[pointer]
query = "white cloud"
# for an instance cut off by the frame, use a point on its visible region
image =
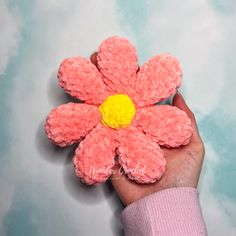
(227, 106)
(82, 28)
(10, 31)
(218, 210)
(193, 32)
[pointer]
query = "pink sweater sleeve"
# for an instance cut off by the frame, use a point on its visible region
(170, 212)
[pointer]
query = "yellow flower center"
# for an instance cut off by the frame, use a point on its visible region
(117, 111)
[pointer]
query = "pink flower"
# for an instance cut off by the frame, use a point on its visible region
(119, 116)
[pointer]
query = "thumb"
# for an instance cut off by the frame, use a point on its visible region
(179, 102)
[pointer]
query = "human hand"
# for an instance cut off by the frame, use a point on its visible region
(182, 170)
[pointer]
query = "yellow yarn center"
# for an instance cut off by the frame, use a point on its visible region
(117, 111)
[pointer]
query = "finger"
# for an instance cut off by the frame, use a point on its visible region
(128, 190)
(118, 175)
(179, 102)
(120, 181)
(93, 58)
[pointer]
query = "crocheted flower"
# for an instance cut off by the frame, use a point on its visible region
(118, 116)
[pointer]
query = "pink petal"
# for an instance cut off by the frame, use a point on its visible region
(118, 62)
(141, 158)
(68, 123)
(95, 156)
(157, 79)
(167, 125)
(81, 79)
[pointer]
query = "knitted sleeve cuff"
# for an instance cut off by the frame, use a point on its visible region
(174, 211)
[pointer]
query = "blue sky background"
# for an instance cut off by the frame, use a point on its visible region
(39, 192)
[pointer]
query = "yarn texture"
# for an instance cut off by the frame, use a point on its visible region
(119, 116)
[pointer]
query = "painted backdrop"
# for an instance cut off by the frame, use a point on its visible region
(39, 194)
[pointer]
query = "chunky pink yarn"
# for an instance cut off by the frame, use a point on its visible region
(136, 146)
